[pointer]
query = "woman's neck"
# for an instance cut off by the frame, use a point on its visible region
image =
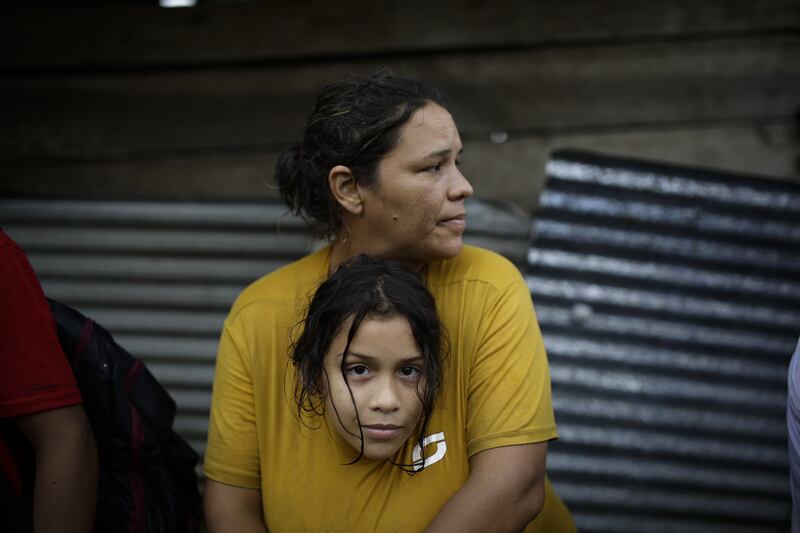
(343, 249)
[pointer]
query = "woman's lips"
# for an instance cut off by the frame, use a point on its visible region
(458, 222)
(381, 432)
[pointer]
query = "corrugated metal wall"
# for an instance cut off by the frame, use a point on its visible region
(161, 276)
(670, 305)
(669, 300)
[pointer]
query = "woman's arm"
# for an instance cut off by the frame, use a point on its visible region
(229, 508)
(504, 492)
(66, 469)
(232, 444)
(509, 411)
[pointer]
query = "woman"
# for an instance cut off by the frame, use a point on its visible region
(377, 173)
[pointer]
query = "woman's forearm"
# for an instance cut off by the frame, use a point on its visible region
(505, 492)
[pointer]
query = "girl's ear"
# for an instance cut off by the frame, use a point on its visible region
(345, 189)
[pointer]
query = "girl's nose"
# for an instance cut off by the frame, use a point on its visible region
(385, 396)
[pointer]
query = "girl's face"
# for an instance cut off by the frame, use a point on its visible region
(415, 210)
(383, 368)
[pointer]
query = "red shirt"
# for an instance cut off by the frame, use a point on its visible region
(34, 373)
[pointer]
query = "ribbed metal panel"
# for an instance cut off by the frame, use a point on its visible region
(669, 300)
(162, 276)
(159, 276)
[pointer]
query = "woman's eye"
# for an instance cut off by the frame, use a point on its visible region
(358, 370)
(410, 372)
(434, 168)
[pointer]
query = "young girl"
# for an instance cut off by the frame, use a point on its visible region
(369, 362)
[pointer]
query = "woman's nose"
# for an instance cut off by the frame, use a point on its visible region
(460, 188)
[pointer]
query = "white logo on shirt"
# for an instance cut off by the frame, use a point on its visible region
(441, 449)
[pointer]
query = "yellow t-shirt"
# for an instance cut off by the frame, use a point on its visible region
(497, 393)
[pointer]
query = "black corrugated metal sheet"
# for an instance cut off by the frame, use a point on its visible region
(669, 299)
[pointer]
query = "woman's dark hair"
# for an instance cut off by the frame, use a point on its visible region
(368, 287)
(354, 122)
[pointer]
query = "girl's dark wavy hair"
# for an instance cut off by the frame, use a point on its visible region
(354, 122)
(368, 287)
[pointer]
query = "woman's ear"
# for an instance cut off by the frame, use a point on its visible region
(345, 189)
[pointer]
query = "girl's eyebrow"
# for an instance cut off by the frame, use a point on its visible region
(373, 359)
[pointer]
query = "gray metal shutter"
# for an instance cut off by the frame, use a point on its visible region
(159, 276)
(669, 300)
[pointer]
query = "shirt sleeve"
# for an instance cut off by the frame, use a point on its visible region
(232, 453)
(34, 373)
(509, 399)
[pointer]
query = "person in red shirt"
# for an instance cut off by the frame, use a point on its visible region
(47, 449)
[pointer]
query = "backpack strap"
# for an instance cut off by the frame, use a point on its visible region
(83, 342)
(137, 518)
(133, 375)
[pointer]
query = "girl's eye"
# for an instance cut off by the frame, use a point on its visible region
(435, 168)
(358, 370)
(410, 372)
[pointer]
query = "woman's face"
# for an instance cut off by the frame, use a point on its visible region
(415, 209)
(383, 368)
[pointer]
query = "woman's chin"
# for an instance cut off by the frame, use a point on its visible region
(448, 249)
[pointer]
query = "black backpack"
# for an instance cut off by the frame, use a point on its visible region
(146, 478)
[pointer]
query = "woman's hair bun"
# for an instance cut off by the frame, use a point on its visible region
(288, 177)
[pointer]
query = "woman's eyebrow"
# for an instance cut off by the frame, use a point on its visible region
(445, 151)
(373, 359)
